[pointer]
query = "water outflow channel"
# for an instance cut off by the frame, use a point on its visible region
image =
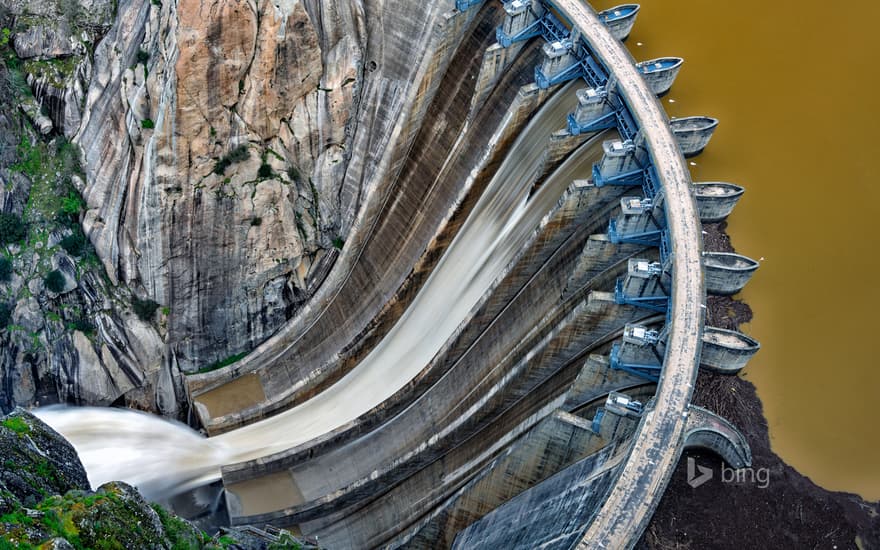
(163, 458)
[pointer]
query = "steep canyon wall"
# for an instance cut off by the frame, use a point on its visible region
(236, 158)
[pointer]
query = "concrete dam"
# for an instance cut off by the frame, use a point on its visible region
(504, 351)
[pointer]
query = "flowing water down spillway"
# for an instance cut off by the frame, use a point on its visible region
(162, 458)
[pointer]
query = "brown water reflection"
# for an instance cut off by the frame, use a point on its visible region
(795, 88)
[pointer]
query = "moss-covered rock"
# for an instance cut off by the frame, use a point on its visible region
(113, 517)
(37, 461)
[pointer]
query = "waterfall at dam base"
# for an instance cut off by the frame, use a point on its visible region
(158, 456)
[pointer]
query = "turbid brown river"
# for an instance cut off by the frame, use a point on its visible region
(794, 85)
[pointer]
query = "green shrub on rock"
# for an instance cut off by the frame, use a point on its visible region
(12, 229)
(144, 309)
(5, 314)
(55, 281)
(5, 269)
(239, 154)
(265, 171)
(74, 244)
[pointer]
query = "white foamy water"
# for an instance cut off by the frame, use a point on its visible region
(162, 457)
(158, 456)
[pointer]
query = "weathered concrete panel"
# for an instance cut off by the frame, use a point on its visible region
(557, 442)
(554, 513)
(716, 200)
(726, 273)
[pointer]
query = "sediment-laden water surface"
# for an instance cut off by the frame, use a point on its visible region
(794, 87)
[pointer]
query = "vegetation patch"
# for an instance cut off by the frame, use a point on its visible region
(239, 154)
(17, 425)
(179, 533)
(54, 281)
(294, 175)
(52, 197)
(57, 71)
(74, 244)
(72, 204)
(148, 124)
(5, 314)
(265, 171)
(30, 157)
(338, 243)
(144, 309)
(5, 269)
(12, 229)
(83, 325)
(224, 363)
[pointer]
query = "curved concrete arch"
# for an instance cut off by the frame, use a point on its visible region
(707, 430)
(482, 324)
(636, 487)
(657, 444)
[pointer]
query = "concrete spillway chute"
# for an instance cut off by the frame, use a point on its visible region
(716, 199)
(660, 73)
(727, 351)
(727, 273)
(620, 19)
(693, 133)
(707, 430)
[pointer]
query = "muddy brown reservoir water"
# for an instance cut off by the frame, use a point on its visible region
(795, 88)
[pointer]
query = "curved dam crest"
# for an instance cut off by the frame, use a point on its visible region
(585, 244)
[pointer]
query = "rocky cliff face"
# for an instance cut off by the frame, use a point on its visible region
(215, 140)
(66, 332)
(218, 183)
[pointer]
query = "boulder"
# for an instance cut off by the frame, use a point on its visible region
(46, 41)
(37, 461)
